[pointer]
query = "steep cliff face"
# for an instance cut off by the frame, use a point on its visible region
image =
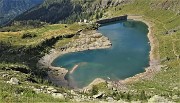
(11, 8)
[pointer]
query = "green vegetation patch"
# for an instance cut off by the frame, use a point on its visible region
(36, 36)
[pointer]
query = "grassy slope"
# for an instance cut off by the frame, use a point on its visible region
(22, 92)
(42, 33)
(166, 81)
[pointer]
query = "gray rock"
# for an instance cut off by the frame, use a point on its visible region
(58, 95)
(93, 39)
(110, 99)
(136, 102)
(72, 92)
(13, 81)
(37, 90)
(54, 90)
(50, 88)
(121, 101)
(99, 95)
(175, 97)
(158, 99)
(4, 75)
(97, 35)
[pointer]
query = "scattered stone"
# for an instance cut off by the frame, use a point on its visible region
(95, 82)
(13, 81)
(58, 95)
(110, 99)
(110, 85)
(54, 90)
(97, 35)
(158, 99)
(99, 95)
(50, 88)
(121, 101)
(136, 101)
(72, 92)
(37, 90)
(175, 88)
(175, 97)
(4, 75)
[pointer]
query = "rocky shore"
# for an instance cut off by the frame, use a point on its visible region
(92, 40)
(154, 55)
(150, 71)
(154, 63)
(87, 40)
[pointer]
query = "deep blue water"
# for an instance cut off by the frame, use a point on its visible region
(128, 56)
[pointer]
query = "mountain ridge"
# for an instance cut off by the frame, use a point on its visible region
(54, 11)
(11, 8)
(69, 11)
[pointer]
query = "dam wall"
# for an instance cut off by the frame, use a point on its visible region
(104, 21)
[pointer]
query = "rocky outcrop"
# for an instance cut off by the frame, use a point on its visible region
(87, 41)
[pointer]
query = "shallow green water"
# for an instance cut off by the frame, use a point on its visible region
(128, 56)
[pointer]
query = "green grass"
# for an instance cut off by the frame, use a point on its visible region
(164, 20)
(17, 94)
(43, 33)
(14, 65)
(23, 92)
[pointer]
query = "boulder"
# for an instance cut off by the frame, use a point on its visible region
(110, 99)
(37, 90)
(58, 95)
(4, 75)
(97, 35)
(99, 95)
(13, 81)
(50, 88)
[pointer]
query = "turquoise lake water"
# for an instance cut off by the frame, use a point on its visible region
(128, 56)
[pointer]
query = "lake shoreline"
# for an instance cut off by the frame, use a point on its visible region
(154, 62)
(88, 40)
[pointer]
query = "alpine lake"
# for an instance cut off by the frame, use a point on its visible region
(128, 56)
